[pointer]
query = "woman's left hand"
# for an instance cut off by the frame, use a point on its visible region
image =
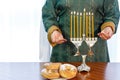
(106, 33)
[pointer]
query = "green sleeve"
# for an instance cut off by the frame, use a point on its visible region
(48, 14)
(111, 12)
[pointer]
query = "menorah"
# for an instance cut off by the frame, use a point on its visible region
(82, 30)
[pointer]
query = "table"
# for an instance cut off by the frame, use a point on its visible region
(99, 71)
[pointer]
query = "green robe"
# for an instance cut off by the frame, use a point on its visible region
(57, 12)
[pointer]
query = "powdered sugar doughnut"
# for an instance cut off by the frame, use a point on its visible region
(68, 71)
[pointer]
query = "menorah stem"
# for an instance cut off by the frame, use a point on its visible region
(83, 66)
(84, 58)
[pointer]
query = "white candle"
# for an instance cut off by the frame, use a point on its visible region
(84, 13)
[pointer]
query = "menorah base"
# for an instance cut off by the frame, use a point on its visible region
(83, 67)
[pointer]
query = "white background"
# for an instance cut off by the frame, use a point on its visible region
(22, 35)
(19, 30)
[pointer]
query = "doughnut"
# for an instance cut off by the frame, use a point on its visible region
(52, 65)
(68, 71)
(50, 74)
(58, 71)
(50, 70)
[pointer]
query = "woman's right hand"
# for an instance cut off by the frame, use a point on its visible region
(57, 37)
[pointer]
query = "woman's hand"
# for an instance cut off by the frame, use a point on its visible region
(106, 33)
(57, 37)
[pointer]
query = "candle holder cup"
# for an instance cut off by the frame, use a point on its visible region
(91, 42)
(77, 42)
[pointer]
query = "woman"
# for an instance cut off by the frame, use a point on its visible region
(56, 19)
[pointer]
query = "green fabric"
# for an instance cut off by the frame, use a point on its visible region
(57, 12)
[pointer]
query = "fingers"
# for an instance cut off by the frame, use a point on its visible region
(104, 36)
(106, 33)
(61, 41)
(57, 37)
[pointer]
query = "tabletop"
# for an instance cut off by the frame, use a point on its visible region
(99, 71)
(31, 71)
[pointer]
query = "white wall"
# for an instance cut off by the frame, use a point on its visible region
(114, 45)
(19, 30)
(44, 45)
